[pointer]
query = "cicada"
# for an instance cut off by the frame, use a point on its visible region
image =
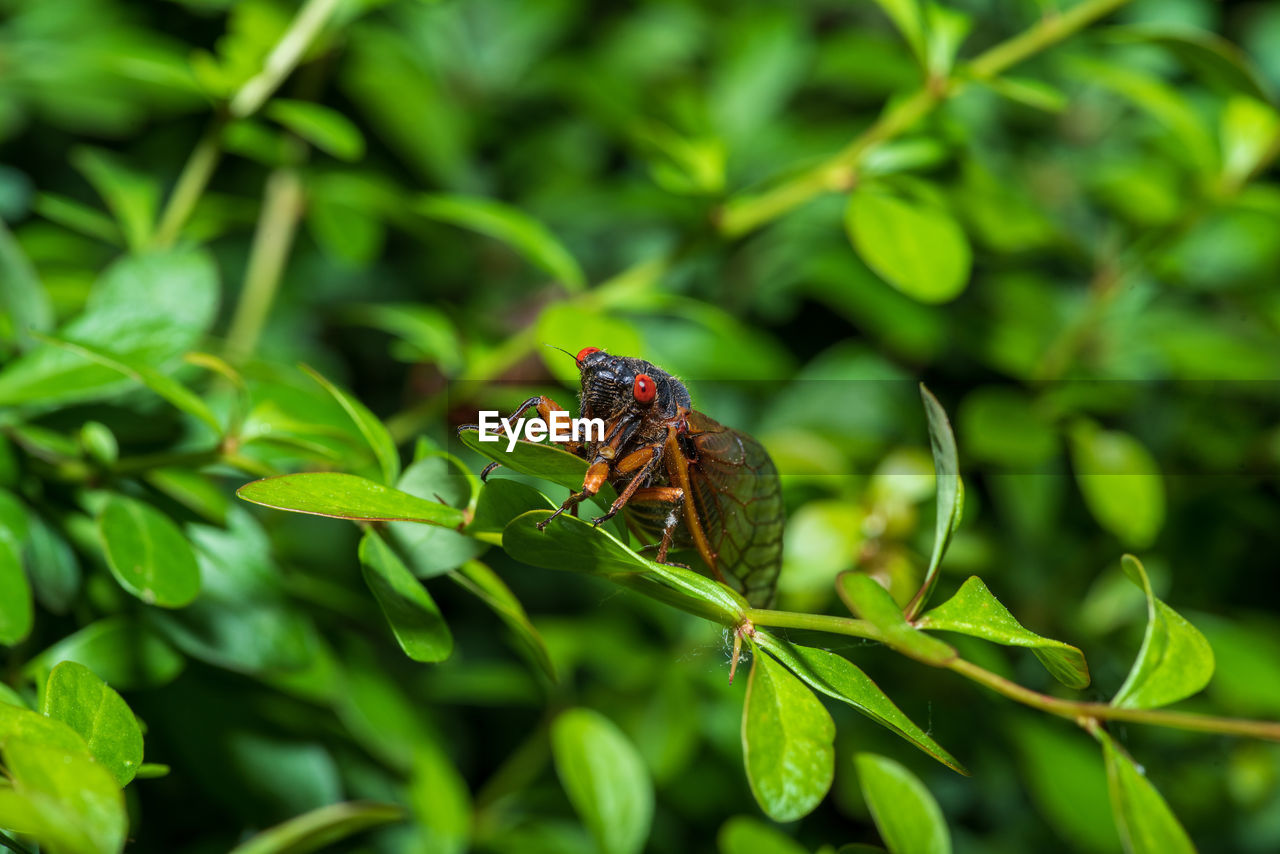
(682, 479)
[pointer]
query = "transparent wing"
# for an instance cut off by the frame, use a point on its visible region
(738, 498)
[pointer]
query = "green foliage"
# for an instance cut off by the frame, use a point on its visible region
(1145, 822)
(605, 779)
(147, 553)
(346, 496)
(319, 828)
(915, 247)
(1065, 223)
(906, 815)
(975, 611)
(1175, 660)
(786, 742)
(409, 609)
(75, 696)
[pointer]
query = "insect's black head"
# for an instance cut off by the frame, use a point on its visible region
(613, 385)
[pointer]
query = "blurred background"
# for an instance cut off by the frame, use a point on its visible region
(1079, 257)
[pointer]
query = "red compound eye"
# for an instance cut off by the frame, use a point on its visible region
(587, 351)
(644, 389)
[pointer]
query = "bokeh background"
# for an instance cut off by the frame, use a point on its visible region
(1110, 360)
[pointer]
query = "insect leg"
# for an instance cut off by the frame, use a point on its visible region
(595, 478)
(675, 496)
(646, 460)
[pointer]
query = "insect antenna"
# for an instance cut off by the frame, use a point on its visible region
(562, 350)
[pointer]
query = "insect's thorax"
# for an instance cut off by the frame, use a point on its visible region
(630, 426)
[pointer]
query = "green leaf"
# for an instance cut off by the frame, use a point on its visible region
(909, 20)
(62, 798)
(78, 217)
(1065, 780)
(976, 612)
(243, 620)
(914, 246)
(149, 308)
(427, 333)
(23, 298)
(744, 835)
(319, 125)
(162, 384)
(18, 723)
(1029, 92)
(440, 802)
(346, 496)
(128, 652)
(839, 678)
(430, 550)
(1145, 822)
(1005, 426)
(905, 813)
(99, 443)
(320, 828)
(605, 779)
(1209, 54)
(502, 500)
(548, 462)
(9, 696)
(1249, 130)
(192, 489)
(1160, 100)
(373, 430)
(16, 613)
(868, 600)
(950, 493)
(1175, 660)
(414, 618)
(132, 196)
(573, 544)
(482, 582)
(787, 742)
(947, 30)
(147, 553)
(512, 226)
(1120, 483)
(75, 696)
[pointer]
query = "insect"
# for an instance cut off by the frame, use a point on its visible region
(682, 479)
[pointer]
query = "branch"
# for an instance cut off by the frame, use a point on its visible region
(1081, 712)
(743, 215)
(284, 57)
(271, 243)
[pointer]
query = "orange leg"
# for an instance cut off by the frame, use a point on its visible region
(675, 496)
(596, 476)
(643, 462)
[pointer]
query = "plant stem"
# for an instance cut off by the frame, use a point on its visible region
(284, 57)
(1075, 710)
(743, 215)
(1051, 29)
(13, 845)
(813, 622)
(190, 186)
(271, 242)
(1081, 712)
